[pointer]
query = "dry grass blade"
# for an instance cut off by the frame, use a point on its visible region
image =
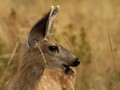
(10, 60)
(13, 53)
(115, 70)
(69, 45)
(5, 56)
(38, 45)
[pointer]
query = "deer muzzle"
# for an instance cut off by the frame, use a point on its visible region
(68, 70)
(75, 63)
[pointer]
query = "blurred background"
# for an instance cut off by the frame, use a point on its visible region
(85, 23)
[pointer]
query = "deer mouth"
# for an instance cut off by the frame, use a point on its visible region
(68, 70)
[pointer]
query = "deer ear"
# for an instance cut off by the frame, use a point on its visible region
(42, 28)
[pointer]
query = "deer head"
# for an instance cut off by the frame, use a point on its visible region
(56, 56)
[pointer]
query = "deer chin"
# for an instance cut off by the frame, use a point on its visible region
(64, 68)
(68, 70)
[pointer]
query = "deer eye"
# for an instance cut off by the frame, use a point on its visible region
(53, 48)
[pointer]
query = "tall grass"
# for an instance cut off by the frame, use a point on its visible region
(8, 64)
(113, 58)
(82, 22)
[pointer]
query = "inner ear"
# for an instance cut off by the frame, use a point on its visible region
(38, 32)
(42, 28)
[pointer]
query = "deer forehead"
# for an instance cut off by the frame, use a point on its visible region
(50, 40)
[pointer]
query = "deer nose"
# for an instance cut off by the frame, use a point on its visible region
(75, 63)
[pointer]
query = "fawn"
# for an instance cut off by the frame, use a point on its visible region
(39, 52)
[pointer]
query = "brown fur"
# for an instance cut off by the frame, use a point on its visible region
(32, 64)
(31, 69)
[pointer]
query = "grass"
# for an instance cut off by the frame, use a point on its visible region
(83, 23)
(113, 58)
(8, 65)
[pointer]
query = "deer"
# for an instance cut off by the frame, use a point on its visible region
(43, 59)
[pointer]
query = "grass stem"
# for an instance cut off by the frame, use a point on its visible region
(113, 58)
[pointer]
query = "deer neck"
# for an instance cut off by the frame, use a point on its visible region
(29, 73)
(28, 78)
